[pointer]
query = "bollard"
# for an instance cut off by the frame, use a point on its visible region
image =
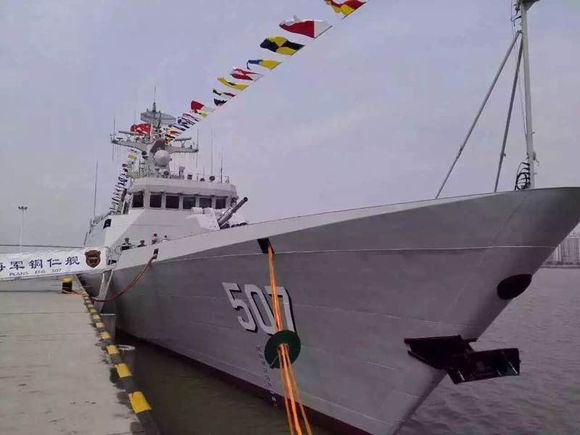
(67, 284)
(109, 321)
(128, 356)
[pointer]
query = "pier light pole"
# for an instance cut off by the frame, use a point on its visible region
(22, 209)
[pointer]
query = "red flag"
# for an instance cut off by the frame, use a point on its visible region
(198, 107)
(243, 74)
(310, 28)
(141, 128)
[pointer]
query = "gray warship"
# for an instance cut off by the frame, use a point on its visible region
(386, 300)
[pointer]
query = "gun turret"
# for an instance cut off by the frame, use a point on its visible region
(222, 221)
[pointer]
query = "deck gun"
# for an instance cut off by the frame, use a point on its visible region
(223, 220)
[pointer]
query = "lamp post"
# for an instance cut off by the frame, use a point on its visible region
(22, 209)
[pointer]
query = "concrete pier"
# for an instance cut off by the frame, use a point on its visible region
(54, 376)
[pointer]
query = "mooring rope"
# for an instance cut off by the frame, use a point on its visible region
(130, 285)
(291, 391)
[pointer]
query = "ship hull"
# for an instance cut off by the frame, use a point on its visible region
(358, 283)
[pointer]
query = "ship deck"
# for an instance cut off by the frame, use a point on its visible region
(54, 377)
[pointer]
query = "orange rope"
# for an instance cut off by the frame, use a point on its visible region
(298, 398)
(286, 394)
(284, 370)
(276, 302)
(288, 380)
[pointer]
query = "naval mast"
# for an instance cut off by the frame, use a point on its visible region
(527, 174)
(524, 5)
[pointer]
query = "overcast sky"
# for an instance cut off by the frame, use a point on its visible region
(371, 113)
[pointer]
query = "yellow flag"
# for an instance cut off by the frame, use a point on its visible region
(280, 45)
(238, 86)
(347, 7)
(266, 63)
(270, 64)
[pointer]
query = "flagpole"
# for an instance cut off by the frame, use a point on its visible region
(211, 166)
(222, 167)
(22, 209)
(197, 153)
(112, 143)
(95, 191)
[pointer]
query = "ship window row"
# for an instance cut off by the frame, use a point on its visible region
(179, 202)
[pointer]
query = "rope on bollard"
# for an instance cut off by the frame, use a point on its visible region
(291, 391)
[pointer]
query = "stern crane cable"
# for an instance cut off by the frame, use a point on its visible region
(288, 380)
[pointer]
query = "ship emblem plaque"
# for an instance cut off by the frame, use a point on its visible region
(93, 258)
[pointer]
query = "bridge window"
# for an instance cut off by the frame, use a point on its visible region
(220, 202)
(172, 201)
(138, 200)
(204, 202)
(107, 223)
(155, 200)
(188, 202)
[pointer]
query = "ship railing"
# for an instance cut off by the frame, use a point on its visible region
(146, 172)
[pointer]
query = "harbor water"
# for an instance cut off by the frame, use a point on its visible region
(544, 323)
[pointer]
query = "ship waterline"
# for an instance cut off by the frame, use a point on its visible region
(356, 284)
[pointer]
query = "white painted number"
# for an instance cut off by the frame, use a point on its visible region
(270, 326)
(238, 304)
(261, 315)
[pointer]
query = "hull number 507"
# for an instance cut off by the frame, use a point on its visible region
(254, 306)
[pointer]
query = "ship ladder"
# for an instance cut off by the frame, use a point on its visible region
(294, 409)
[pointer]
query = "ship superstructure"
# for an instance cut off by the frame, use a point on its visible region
(156, 197)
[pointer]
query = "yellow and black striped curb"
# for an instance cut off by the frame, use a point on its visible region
(137, 399)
